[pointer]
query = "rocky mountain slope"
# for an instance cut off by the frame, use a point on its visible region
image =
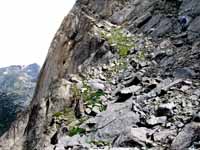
(16, 91)
(117, 74)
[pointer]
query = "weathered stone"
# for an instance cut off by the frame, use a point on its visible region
(186, 137)
(74, 141)
(121, 16)
(194, 29)
(88, 111)
(167, 61)
(133, 137)
(194, 98)
(164, 135)
(184, 88)
(156, 120)
(96, 110)
(184, 73)
(181, 35)
(113, 121)
(131, 89)
(126, 93)
(165, 44)
(163, 87)
(150, 26)
(135, 80)
(167, 85)
(164, 26)
(190, 8)
(142, 20)
(96, 84)
(197, 92)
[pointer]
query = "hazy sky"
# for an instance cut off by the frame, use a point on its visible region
(27, 28)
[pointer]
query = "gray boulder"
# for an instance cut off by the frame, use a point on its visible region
(120, 16)
(194, 29)
(186, 137)
(133, 137)
(109, 124)
(96, 84)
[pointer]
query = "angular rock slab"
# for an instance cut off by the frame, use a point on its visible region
(111, 123)
(133, 137)
(186, 137)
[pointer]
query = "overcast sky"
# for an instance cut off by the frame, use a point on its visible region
(27, 28)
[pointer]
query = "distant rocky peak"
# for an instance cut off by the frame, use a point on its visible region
(33, 66)
(32, 70)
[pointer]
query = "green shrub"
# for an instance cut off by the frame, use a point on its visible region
(92, 97)
(76, 130)
(89, 96)
(120, 40)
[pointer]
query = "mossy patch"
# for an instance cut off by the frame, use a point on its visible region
(76, 130)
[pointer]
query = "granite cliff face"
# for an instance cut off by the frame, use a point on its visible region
(117, 74)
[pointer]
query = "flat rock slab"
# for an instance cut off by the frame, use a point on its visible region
(111, 123)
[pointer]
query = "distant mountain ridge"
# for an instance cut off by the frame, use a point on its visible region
(17, 84)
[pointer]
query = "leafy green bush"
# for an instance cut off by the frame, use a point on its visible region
(120, 40)
(92, 97)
